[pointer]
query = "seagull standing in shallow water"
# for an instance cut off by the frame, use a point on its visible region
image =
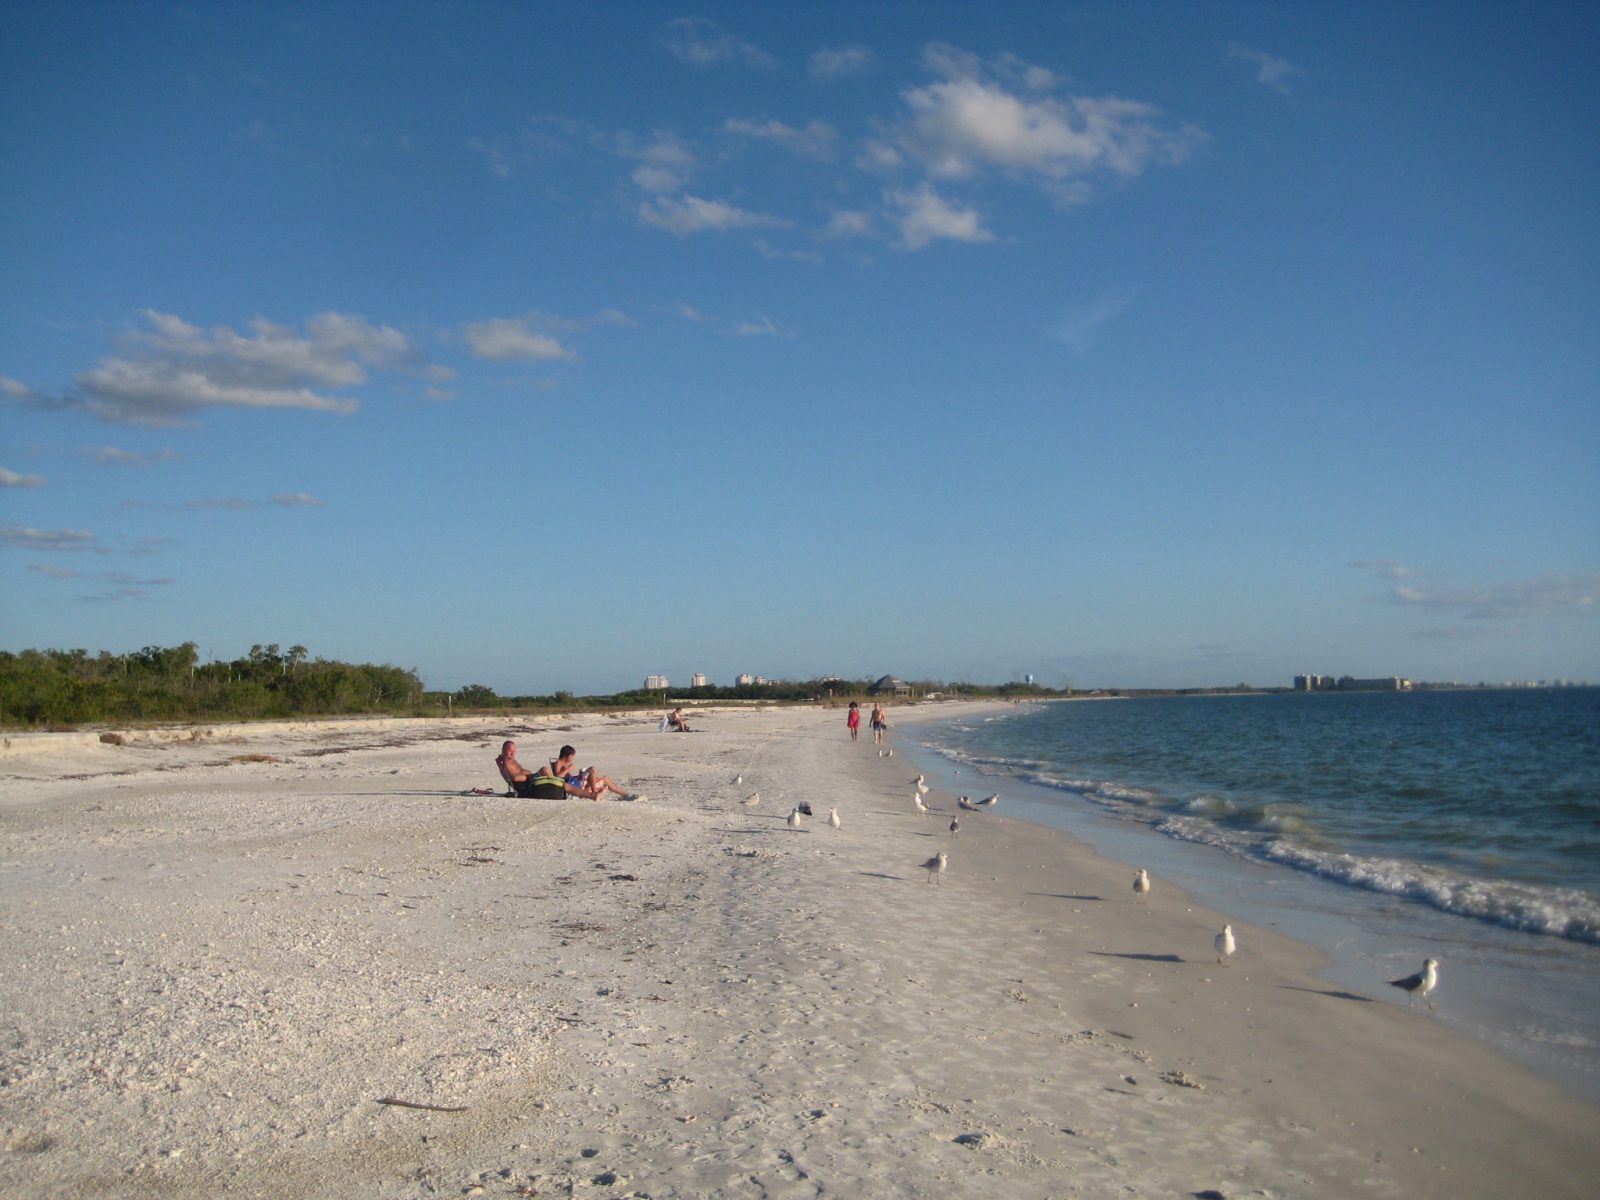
(1420, 984)
(1224, 944)
(1141, 884)
(935, 867)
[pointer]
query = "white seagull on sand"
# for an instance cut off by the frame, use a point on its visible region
(935, 867)
(1141, 884)
(965, 804)
(1224, 944)
(987, 801)
(922, 809)
(737, 780)
(794, 817)
(833, 817)
(955, 826)
(1419, 984)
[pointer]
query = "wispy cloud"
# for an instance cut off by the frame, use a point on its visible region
(685, 215)
(1384, 568)
(1271, 72)
(838, 62)
(506, 339)
(923, 216)
(1544, 595)
(23, 537)
(816, 140)
(11, 479)
(1081, 325)
(113, 456)
(761, 327)
(704, 43)
(296, 500)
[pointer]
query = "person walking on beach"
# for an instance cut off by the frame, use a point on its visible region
(853, 720)
(880, 722)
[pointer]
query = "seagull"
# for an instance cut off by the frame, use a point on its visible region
(923, 788)
(1419, 984)
(833, 817)
(987, 801)
(955, 826)
(753, 799)
(922, 809)
(888, 753)
(1141, 884)
(935, 867)
(737, 780)
(966, 805)
(1224, 944)
(920, 780)
(794, 817)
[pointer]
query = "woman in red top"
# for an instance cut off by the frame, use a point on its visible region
(853, 720)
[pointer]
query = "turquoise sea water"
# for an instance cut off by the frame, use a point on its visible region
(1383, 826)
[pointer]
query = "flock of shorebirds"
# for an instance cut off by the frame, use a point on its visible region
(1414, 986)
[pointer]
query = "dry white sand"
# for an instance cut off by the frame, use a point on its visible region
(225, 950)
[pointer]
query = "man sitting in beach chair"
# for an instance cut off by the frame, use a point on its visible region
(555, 781)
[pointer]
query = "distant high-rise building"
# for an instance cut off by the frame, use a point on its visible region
(698, 679)
(656, 683)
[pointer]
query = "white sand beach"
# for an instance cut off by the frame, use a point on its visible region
(300, 960)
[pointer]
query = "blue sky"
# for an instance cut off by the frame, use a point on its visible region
(551, 345)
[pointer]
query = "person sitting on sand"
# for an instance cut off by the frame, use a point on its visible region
(675, 721)
(555, 781)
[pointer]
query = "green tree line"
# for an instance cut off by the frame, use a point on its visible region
(69, 687)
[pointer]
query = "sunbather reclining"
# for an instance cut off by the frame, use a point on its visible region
(555, 781)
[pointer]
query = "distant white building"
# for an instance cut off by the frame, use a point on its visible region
(656, 683)
(698, 679)
(745, 680)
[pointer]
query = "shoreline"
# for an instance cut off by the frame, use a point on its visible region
(223, 958)
(1528, 994)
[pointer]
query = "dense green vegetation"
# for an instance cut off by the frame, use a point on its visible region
(68, 687)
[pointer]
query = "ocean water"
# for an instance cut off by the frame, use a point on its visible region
(1384, 827)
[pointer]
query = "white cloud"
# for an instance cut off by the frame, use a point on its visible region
(704, 43)
(960, 126)
(1271, 72)
(879, 157)
(690, 214)
(514, 338)
(51, 571)
(296, 500)
(22, 537)
(1384, 568)
(175, 369)
(848, 223)
(1081, 325)
(689, 312)
(112, 456)
(761, 327)
(816, 140)
(10, 479)
(666, 164)
(924, 216)
(1572, 595)
(839, 61)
